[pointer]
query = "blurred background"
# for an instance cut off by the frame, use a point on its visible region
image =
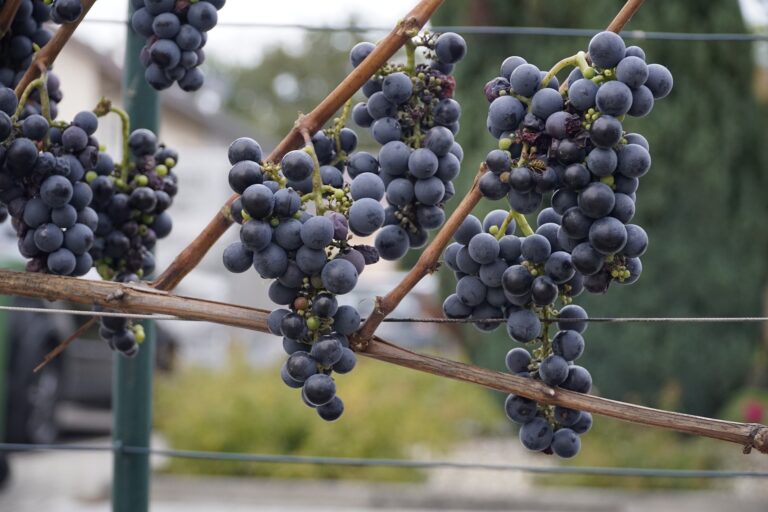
(703, 204)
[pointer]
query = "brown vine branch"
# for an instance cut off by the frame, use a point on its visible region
(191, 256)
(427, 263)
(61, 347)
(624, 15)
(7, 14)
(45, 57)
(133, 298)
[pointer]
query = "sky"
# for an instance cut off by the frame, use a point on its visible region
(755, 12)
(245, 45)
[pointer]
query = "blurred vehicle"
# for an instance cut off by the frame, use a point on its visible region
(81, 377)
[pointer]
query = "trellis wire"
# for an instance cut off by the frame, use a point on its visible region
(489, 30)
(437, 320)
(80, 312)
(377, 462)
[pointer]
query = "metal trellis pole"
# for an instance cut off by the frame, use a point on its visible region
(132, 381)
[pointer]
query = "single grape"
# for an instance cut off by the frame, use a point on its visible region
(566, 443)
(520, 409)
(536, 434)
(606, 49)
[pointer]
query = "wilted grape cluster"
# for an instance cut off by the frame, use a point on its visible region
(411, 112)
(176, 33)
(568, 142)
(307, 251)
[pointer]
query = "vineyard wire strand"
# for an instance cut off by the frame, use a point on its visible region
(81, 312)
(490, 30)
(365, 462)
(735, 319)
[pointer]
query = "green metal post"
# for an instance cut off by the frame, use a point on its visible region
(5, 364)
(132, 383)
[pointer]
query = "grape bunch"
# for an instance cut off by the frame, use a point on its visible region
(411, 112)
(17, 49)
(130, 200)
(308, 256)
(176, 32)
(569, 142)
(41, 182)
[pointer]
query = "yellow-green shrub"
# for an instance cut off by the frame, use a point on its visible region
(389, 411)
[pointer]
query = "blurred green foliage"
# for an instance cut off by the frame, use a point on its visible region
(288, 81)
(389, 412)
(703, 204)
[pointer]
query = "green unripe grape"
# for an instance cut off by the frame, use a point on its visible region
(142, 180)
(90, 176)
(161, 170)
(608, 180)
(170, 162)
(313, 323)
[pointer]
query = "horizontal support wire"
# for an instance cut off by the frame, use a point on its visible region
(81, 312)
(488, 30)
(401, 463)
(620, 320)
(437, 320)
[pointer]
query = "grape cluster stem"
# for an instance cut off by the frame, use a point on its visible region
(40, 84)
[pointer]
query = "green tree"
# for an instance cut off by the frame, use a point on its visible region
(703, 203)
(288, 81)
